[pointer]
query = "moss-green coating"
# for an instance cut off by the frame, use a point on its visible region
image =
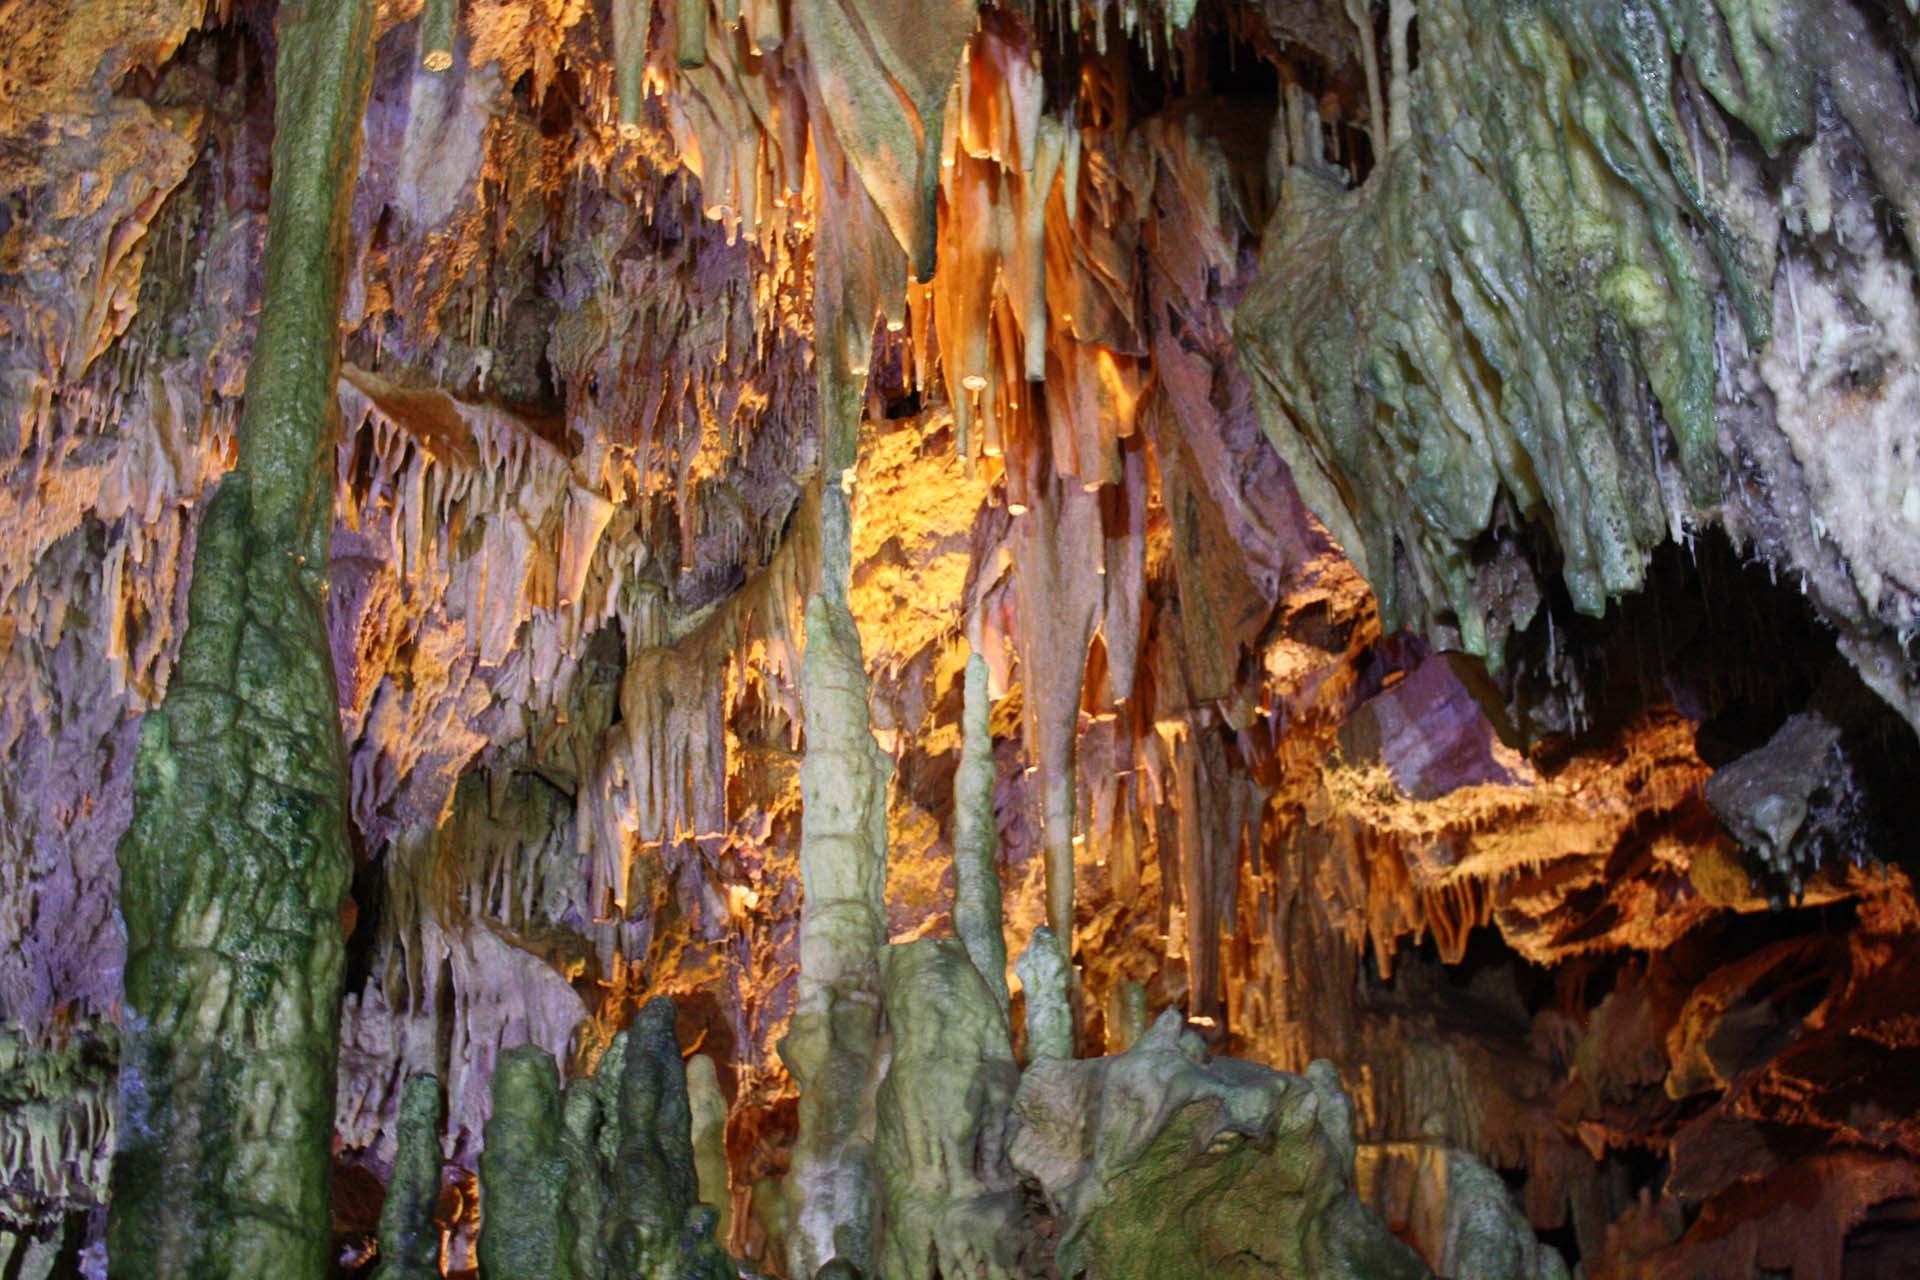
(1046, 984)
(598, 1183)
(436, 35)
(690, 32)
(1512, 321)
(949, 1199)
(1160, 1163)
(657, 1227)
(235, 866)
(528, 1228)
(629, 61)
(409, 1237)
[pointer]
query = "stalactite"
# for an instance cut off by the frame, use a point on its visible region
(572, 552)
(630, 61)
(889, 115)
(437, 27)
(1360, 14)
(1400, 14)
(690, 32)
(1056, 548)
(236, 865)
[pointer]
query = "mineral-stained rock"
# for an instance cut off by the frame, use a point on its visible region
(529, 1225)
(1161, 1162)
(236, 865)
(977, 915)
(1585, 227)
(409, 1236)
(1456, 1211)
(833, 1045)
(1046, 984)
(950, 1203)
(1557, 297)
(709, 1135)
(600, 1184)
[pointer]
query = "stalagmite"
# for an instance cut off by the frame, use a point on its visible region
(708, 1106)
(1114, 1143)
(1046, 985)
(1131, 1010)
(976, 894)
(833, 1044)
(236, 864)
(528, 1227)
(598, 1183)
(1483, 452)
(950, 1204)
(409, 1237)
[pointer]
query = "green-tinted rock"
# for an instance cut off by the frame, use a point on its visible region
(235, 866)
(951, 1206)
(598, 1183)
(1511, 324)
(527, 1226)
(976, 879)
(1045, 981)
(833, 1043)
(409, 1236)
(1161, 1163)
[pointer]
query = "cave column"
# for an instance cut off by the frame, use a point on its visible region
(236, 865)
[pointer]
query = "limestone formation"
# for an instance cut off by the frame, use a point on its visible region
(236, 865)
(598, 1181)
(1385, 530)
(833, 1047)
(950, 1206)
(409, 1236)
(1160, 1162)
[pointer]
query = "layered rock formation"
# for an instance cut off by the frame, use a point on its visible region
(1370, 545)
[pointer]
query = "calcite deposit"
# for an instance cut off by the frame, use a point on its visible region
(818, 638)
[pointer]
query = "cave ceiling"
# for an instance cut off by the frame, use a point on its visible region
(1036, 553)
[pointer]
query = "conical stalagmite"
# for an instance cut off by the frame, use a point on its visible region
(976, 892)
(236, 865)
(409, 1236)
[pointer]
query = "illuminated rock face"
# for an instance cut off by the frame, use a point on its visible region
(814, 479)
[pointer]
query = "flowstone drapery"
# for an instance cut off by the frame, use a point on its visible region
(236, 866)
